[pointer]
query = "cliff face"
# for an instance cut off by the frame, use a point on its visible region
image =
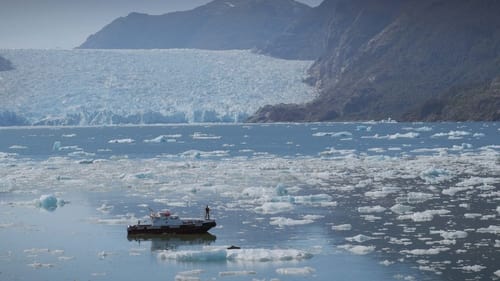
(5, 64)
(404, 59)
(218, 25)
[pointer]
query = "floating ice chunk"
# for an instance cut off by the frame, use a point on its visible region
(360, 238)
(191, 275)
(452, 135)
(472, 215)
(342, 227)
(427, 215)
(237, 255)
(163, 138)
(425, 252)
(371, 209)
(498, 210)
(202, 136)
(281, 190)
(409, 135)
(18, 147)
(37, 265)
(56, 146)
(105, 208)
(401, 209)
(197, 154)
(386, 262)
(435, 175)
(418, 197)
(281, 221)
(274, 208)
(237, 273)
(103, 254)
(358, 249)
(450, 234)
(455, 189)
(333, 134)
(50, 202)
(473, 268)
(494, 229)
(497, 273)
(295, 270)
(127, 140)
(381, 193)
(363, 128)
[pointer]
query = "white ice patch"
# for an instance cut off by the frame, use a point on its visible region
(295, 270)
(236, 255)
(121, 141)
(409, 135)
(237, 273)
(427, 215)
(451, 234)
(494, 229)
(164, 139)
(473, 268)
(333, 134)
(371, 209)
(342, 227)
(358, 249)
(281, 221)
(401, 209)
(203, 136)
(425, 252)
(274, 208)
(452, 135)
(360, 238)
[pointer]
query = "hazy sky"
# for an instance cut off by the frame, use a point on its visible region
(48, 24)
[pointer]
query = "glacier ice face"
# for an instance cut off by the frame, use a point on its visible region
(100, 87)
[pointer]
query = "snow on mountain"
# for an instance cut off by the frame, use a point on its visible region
(96, 87)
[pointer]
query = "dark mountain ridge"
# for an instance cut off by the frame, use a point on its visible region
(403, 59)
(218, 25)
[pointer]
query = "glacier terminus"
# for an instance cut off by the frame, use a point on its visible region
(104, 87)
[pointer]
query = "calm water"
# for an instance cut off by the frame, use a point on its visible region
(334, 201)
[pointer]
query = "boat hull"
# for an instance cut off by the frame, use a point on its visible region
(181, 229)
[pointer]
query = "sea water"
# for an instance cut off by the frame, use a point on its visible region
(320, 201)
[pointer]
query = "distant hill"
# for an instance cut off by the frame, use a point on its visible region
(218, 25)
(5, 64)
(404, 59)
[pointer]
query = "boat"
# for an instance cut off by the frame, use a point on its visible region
(164, 222)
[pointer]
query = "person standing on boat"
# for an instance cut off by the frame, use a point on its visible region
(207, 213)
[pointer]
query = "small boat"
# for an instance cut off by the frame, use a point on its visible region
(164, 222)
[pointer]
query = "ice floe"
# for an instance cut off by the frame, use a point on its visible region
(358, 249)
(50, 202)
(281, 221)
(342, 227)
(427, 215)
(295, 270)
(235, 255)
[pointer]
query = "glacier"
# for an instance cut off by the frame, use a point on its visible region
(106, 87)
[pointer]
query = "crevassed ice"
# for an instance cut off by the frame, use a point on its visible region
(95, 87)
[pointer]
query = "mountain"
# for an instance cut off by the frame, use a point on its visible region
(5, 64)
(404, 59)
(218, 25)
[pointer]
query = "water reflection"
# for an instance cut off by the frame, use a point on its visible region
(172, 241)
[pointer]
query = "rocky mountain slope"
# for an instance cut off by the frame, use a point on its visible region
(404, 59)
(218, 25)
